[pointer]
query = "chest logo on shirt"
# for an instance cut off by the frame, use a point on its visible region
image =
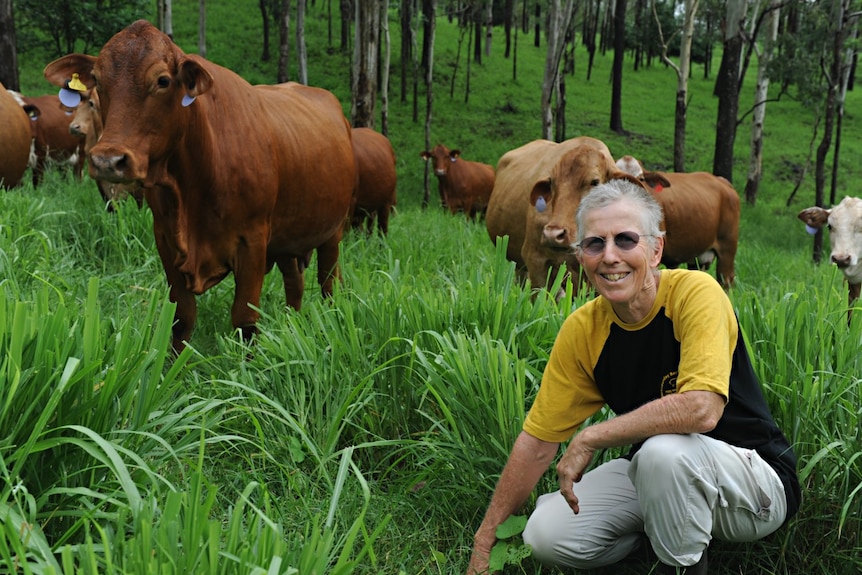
(668, 383)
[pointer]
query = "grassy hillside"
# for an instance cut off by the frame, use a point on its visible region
(364, 435)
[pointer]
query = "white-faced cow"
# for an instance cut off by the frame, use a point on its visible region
(375, 180)
(14, 141)
(701, 217)
(538, 189)
(239, 177)
(87, 124)
(845, 238)
(464, 185)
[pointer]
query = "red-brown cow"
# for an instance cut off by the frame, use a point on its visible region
(376, 180)
(15, 140)
(52, 142)
(87, 124)
(845, 237)
(239, 177)
(536, 196)
(464, 185)
(701, 217)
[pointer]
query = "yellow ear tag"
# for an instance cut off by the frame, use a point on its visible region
(76, 84)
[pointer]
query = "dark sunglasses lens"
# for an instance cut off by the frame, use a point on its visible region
(627, 240)
(593, 246)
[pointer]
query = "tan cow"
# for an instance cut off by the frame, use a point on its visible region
(15, 138)
(845, 238)
(239, 178)
(376, 180)
(464, 185)
(701, 217)
(87, 124)
(537, 192)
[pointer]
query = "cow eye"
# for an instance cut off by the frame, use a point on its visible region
(164, 81)
(595, 182)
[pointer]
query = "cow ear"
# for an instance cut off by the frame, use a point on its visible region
(815, 217)
(542, 190)
(655, 179)
(425, 155)
(454, 154)
(629, 177)
(60, 70)
(194, 78)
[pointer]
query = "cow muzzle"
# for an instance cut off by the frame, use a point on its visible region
(842, 260)
(112, 166)
(556, 237)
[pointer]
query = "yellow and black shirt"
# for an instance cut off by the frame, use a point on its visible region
(689, 340)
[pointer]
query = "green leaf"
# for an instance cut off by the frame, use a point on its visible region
(512, 526)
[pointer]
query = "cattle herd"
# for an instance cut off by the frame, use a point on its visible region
(232, 175)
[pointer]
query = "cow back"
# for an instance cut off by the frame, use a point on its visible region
(375, 167)
(15, 141)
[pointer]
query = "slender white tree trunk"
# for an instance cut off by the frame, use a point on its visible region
(202, 28)
(384, 76)
(558, 21)
(169, 18)
(761, 92)
(489, 28)
(300, 42)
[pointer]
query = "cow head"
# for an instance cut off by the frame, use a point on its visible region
(632, 166)
(144, 83)
(556, 199)
(442, 157)
(844, 222)
(87, 119)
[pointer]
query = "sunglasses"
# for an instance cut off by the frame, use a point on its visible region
(626, 241)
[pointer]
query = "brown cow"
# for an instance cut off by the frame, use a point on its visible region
(86, 123)
(701, 217)
(536, 196)
(464, 185)
(52, 142)
(376, 180)
(238, 177)
(15, 140)
(844, 222)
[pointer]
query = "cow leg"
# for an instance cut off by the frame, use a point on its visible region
(294, 280)
(854, 290)
(327, 264)
(249, 272)
(383, 219)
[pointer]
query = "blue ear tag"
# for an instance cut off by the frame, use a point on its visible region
(541, 204)
(187, 100)
(810, 230)
(70, 98)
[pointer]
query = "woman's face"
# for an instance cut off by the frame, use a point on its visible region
(625, 277)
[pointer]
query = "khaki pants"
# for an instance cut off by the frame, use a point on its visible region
(678, 490)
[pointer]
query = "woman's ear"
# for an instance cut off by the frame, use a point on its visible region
(658, 250)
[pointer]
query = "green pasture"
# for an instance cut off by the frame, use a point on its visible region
(364, 435)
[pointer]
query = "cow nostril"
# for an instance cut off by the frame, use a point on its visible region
(842, 261)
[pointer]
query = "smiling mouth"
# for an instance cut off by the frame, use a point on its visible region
(614, 277)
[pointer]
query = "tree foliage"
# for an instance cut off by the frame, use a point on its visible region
(61, 27)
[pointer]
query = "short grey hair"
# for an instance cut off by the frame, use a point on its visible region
(618, 190)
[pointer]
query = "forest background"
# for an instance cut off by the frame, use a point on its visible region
(365, 435)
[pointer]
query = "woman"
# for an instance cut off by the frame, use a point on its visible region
(662, 349)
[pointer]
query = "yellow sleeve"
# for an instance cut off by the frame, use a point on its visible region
(568, 395)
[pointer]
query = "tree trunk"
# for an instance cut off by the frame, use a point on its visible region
(682, 86)
(284, 42)
(8, 48)
(846, 75)
(202, 28)
(508, 24)
(726, 88)
(384, 81)
(537, 26)
(761, 93)
(407, 39)
(346, 8)
(365, 52)
(427, 35)
(558, 22)
(429, 8)
(489, 26)
(300, 42)
(617, 73)
(265, 17)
